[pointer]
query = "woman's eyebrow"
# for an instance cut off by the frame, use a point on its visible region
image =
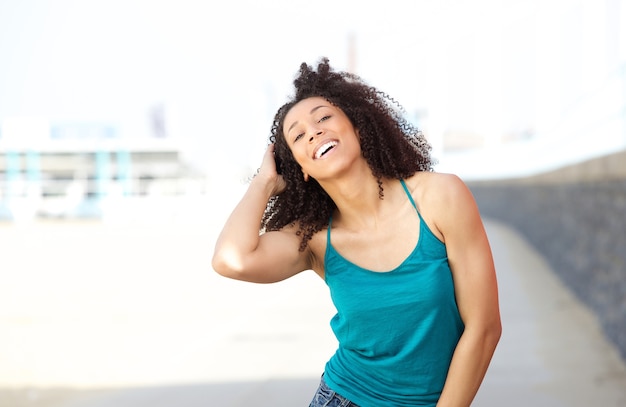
(311, 112)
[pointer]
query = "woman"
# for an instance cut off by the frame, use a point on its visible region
(346, 189)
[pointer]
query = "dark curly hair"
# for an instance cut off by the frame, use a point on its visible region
(392, 147)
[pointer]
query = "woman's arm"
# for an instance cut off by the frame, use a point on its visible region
(476, 291)
(241, 253)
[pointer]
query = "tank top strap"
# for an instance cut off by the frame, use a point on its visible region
(406, 189)
(408, 193)
(330, 222)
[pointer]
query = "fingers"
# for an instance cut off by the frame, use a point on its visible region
(269, 169)
(268, 159)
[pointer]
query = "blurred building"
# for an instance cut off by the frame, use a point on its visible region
(76, 170)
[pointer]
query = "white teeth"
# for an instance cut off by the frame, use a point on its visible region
(324, 148)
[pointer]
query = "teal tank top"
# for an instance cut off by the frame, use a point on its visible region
(396, 330)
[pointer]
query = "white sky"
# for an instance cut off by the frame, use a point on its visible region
(222, 68)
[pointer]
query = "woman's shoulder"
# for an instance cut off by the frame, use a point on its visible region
(438, 197)
(428, 186)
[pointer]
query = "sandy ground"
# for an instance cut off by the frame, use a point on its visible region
(130, 314)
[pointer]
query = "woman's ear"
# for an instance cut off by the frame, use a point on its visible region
(306, 176)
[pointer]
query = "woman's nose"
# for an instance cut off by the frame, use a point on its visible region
(314, 134)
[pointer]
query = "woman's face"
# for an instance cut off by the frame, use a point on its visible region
(321, 137)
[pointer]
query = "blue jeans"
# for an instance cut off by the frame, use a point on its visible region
(325, 397)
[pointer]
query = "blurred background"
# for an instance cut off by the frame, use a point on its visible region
(128, 130)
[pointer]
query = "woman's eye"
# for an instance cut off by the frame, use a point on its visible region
(325, 118)
(298, 137)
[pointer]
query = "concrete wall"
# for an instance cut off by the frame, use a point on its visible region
(576, 217)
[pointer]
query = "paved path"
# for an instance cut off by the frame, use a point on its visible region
(145, 323)
(552, 352)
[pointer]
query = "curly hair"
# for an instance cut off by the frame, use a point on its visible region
(392, 147)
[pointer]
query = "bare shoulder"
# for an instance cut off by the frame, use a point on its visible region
(437, 188)
(440, 197)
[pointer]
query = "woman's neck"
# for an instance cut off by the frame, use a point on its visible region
(358, 200)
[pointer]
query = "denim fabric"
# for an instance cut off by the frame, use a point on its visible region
(325, 397)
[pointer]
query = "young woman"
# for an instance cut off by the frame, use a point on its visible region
(346, 189)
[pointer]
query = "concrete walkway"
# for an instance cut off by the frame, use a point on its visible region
(552, 352)
(161, 330)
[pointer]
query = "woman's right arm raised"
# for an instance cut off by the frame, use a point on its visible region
(241, 253)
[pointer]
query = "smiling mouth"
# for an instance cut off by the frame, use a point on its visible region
(324, 148)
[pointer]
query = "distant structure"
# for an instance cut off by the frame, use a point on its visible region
(76, 170)
(352, 57)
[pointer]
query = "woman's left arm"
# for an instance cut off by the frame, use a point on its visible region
(476, 291)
